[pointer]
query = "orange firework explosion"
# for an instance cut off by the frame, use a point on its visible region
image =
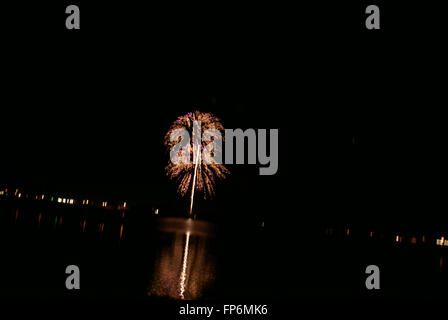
(201, 174)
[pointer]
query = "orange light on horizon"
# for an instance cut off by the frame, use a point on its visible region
(442, 242)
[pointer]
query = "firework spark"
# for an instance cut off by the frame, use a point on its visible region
(197, 175)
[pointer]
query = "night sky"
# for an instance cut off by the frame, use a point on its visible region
(87, 112)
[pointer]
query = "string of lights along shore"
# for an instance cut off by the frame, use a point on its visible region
(66, 199)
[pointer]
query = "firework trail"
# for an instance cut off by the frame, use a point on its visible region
(197, 175)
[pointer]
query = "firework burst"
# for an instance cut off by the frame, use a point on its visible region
(197, 175)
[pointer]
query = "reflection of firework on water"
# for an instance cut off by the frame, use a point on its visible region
(184, 267)
(203, 174)
(183, 275)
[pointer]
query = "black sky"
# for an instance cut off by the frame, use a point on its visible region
(87, 111)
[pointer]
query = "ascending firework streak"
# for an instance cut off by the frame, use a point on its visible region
(198, 175)
(196, 161)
